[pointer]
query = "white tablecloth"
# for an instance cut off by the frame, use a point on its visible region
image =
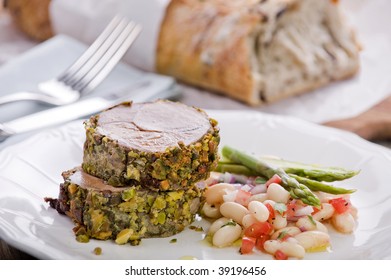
(339, 100)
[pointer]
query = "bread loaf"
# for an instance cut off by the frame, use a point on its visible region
(32, 17)
(256, 51)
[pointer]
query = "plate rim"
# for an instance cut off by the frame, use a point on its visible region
(359, 142)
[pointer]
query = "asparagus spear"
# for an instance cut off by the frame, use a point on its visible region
(319, 186)
(313, 185)
(314, 172)
(234, 168)
(296, 190)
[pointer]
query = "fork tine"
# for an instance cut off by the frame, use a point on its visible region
(109, 60)
(90, 69)
(91, 50)
(89, 63)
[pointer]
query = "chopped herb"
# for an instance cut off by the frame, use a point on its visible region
(282, 234)
(98, 251)
(195, 228)
(83, 238)
(311, 220)
(174, 240)
(230, 223)
(260, 180)
(280, 208)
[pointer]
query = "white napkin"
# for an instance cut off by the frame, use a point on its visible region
(84, 19)
(50, 59)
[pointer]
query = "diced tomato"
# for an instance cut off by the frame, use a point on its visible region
(283, 236)
(248, 244)
(261, 240)
(340, 204)
(291, 208)
(257, 229)
(316, 210)
(243, 197)
(271, 211)
(275, 179)
(279, 255)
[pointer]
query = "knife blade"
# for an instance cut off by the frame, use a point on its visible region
(140, 91)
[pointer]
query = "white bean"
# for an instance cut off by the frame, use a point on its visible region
(305, 223)
(211, 211)
(214, 194)
(291, 249)
(226, 235)
(279, 222)
(313, 241)
(271, 246)
(353, 211)
(261, 197)
(277, 193)
(321, 227)
(216, 225)
(234, 211)
(292, 231)
(259, 210)
(248, 220)
(325, 213)
(343, 222)
(325, 197)
(292, 240)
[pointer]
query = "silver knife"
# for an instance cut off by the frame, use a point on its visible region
(143, 90)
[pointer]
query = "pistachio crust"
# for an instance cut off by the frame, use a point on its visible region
(124, 214)
(176, 166)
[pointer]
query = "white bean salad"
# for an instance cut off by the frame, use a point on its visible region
(265, 217)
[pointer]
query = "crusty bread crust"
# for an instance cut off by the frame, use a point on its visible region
(218, 45)
(188, 36)
(32, 17)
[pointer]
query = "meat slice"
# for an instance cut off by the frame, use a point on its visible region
(159, 145)
(124, 214)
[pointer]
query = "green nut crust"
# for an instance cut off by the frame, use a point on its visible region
(178, 167)
(126, 214)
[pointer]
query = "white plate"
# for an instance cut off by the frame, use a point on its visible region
(30, 171)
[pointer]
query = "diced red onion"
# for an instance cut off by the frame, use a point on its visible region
(228, 178)
(201, 184)
(260, 188)
(237, 186)
(305, 211)
(241, 178)
(230, 196)
(292, 218)
(213, 179)
(302, 228)
(246, 188)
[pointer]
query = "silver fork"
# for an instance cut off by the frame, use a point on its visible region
(88, 71)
